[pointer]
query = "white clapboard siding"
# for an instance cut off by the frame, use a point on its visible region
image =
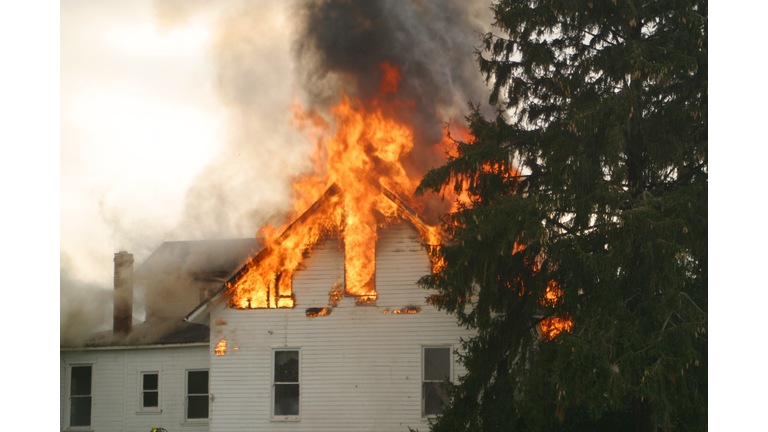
(360, 368)
(116, 386)
(320, 271)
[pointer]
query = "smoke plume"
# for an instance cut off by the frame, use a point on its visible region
(342, 44)
(269, 55)
(84, 308)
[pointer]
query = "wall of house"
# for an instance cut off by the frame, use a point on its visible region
(360, 366)
(116, 386)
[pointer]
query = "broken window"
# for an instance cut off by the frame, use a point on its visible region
(197, 394)
(436, 369)
(80, 396)
(285, 385)
(150, 390)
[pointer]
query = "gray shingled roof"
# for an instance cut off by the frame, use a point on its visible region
(158, 331)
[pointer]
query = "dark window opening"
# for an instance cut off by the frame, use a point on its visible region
(286, 383)
(150, 394)
(197, 394)
(437, 369)
(80, 396)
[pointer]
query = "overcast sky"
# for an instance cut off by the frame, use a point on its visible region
(146, 134)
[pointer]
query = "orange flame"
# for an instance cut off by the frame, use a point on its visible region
(221, 348)
(407, 310)
(354, 190)
(549, 328)
(316, 312)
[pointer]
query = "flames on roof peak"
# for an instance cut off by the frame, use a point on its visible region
(358, 185)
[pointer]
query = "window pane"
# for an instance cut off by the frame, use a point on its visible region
(150, 382)
(434, 397)
(81, 381)
(197, 382)
(197, 407)
(286, 366)
(80, 411)
(437, 364)
(286, 399)
(150, 399)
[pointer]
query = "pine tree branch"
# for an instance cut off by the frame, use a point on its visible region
(682, 293)
(661, 333)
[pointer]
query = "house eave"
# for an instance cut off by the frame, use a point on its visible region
(199, 312)
(135, 347)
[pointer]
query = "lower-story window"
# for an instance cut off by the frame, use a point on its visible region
(150, 391)
(285, 384)
(436, 369)
(197, 394)
(80, 395)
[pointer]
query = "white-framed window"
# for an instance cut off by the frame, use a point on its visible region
(149, 397)
(197, 395)
(436, 368)
(80, 395)
(286, 390)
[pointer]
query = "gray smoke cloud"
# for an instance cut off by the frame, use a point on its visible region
(333, 45)
(341, 44)
(84, 308)
(268, 55)
(248, 184)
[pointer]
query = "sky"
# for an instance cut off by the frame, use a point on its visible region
(143, 124)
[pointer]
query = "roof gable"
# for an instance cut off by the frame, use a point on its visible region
(265, 280)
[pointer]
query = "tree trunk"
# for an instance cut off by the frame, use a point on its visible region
(641, 413)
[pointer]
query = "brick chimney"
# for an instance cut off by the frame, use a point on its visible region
(123, 292)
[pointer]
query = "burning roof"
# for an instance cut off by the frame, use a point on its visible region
(265, 280)
(355, 187)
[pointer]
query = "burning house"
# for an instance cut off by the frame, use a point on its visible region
(272, 343)
(318, 324)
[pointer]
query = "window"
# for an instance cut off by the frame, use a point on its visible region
(285, 385)
(436, 369)
(197, 394)
(150, 391)
(80, 396)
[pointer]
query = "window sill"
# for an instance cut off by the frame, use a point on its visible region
(148, 412)
(285, 419)
(188, 423)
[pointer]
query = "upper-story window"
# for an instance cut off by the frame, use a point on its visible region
(436, 369)
(285, 384)
(80, 395)
(197, 394)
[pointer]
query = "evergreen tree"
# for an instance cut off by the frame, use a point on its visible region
(587, 208)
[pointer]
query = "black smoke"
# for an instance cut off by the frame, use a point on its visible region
(343, 43)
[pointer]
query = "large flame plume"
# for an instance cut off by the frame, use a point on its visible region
(355, 188)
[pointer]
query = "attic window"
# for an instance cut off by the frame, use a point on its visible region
(279, 294)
